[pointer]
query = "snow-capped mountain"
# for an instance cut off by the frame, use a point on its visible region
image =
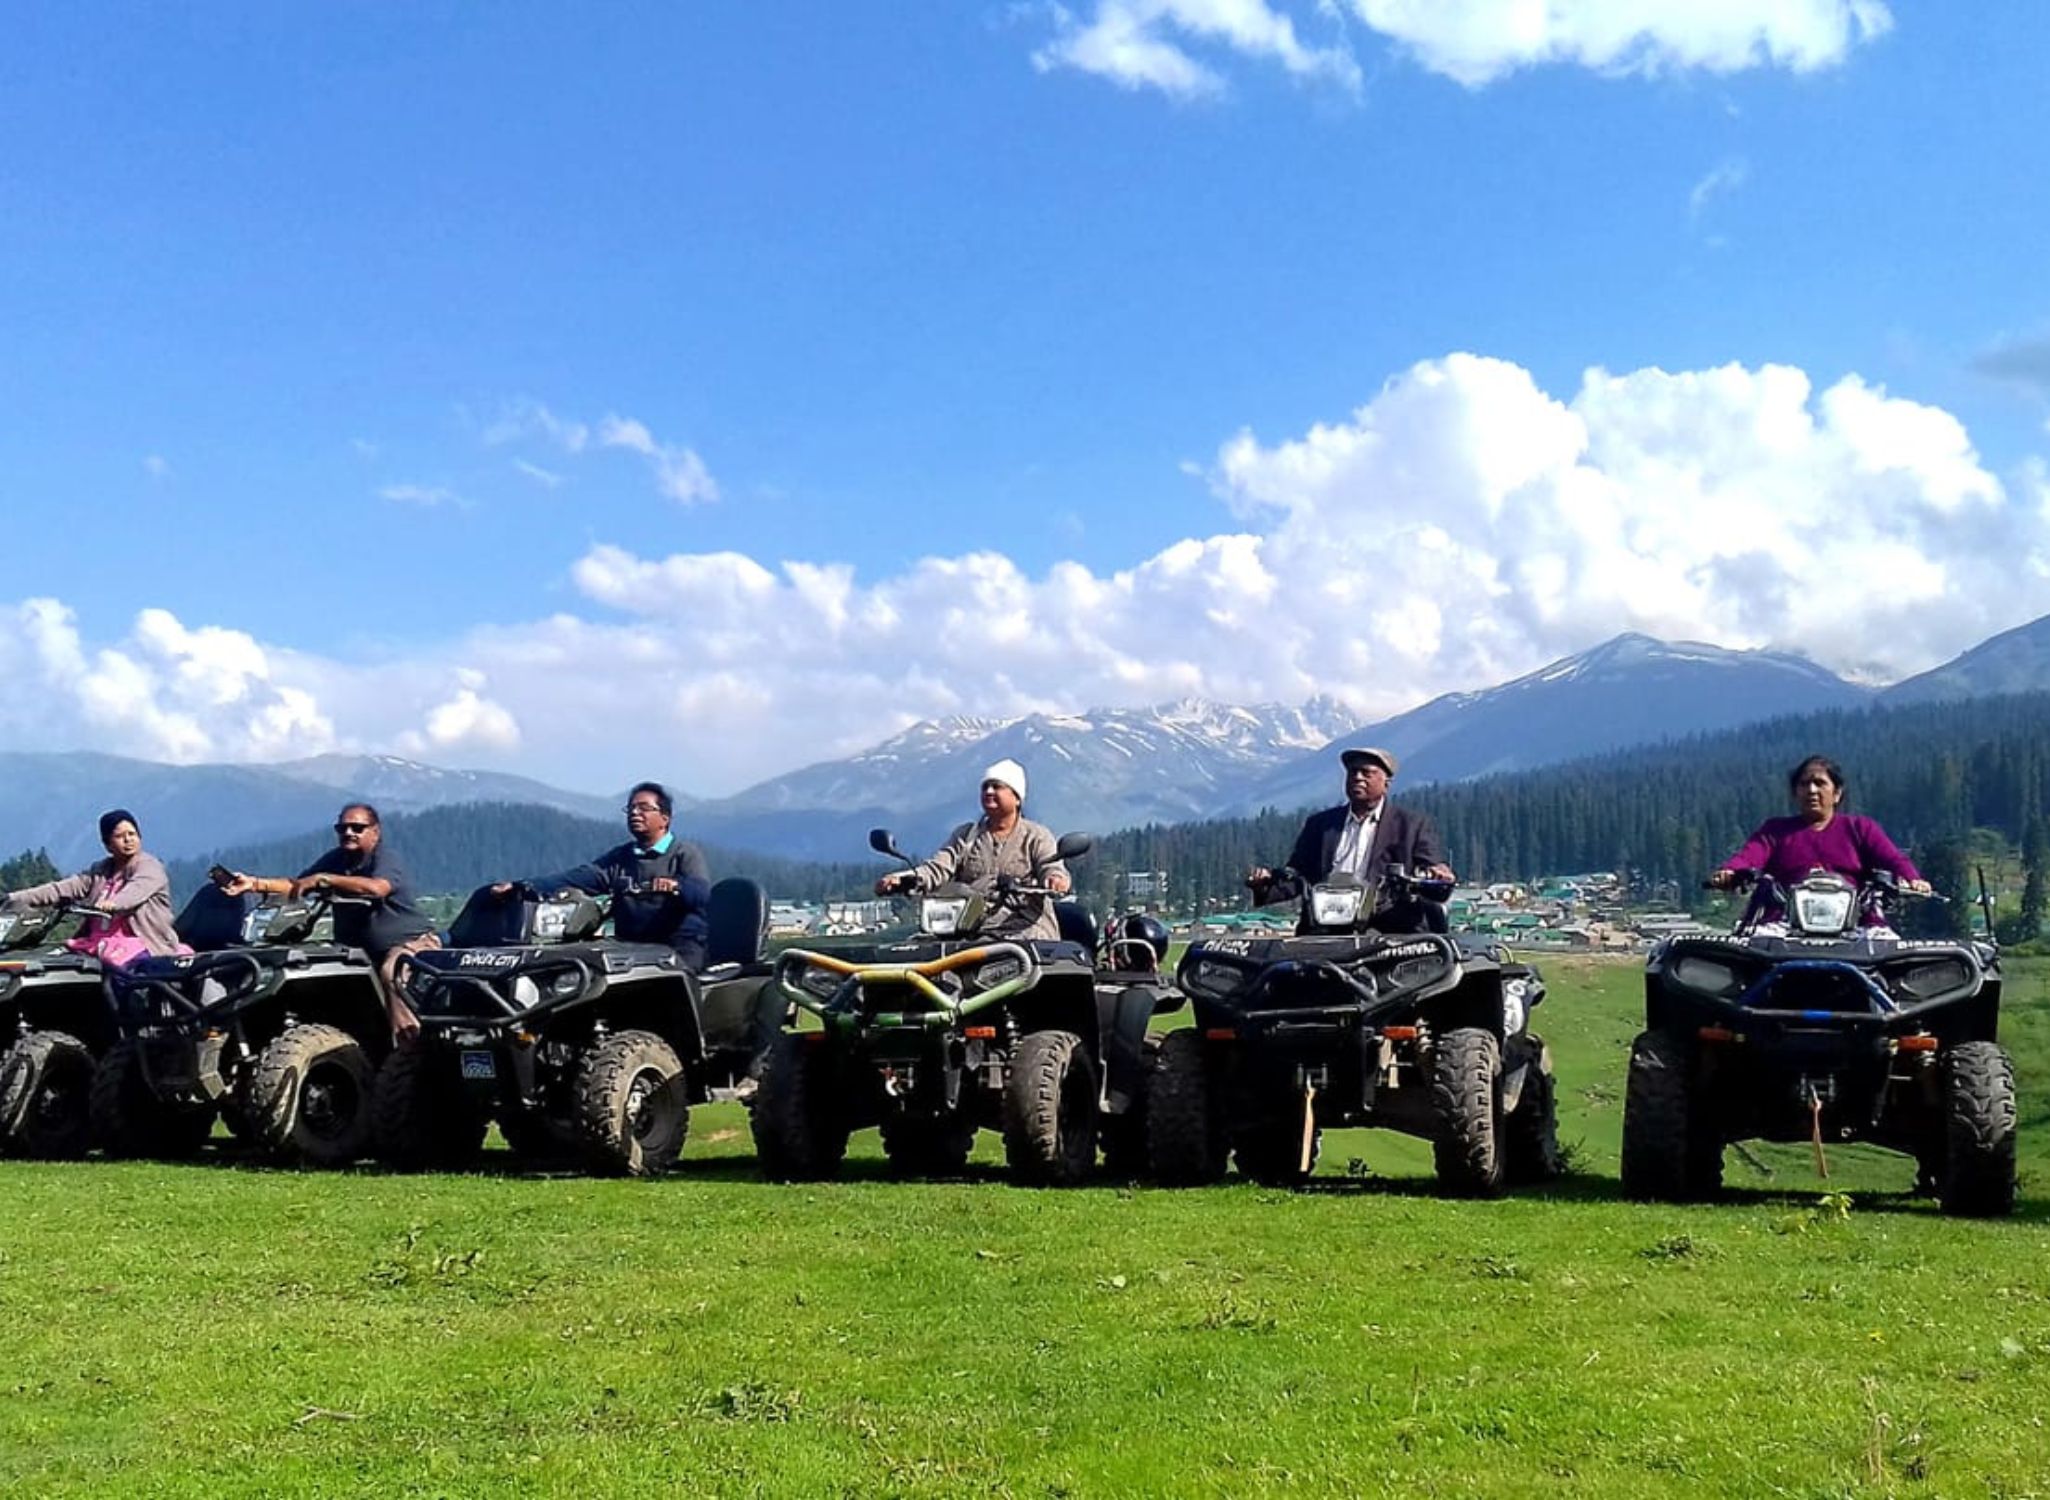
(1108, 768)
(1632, 690)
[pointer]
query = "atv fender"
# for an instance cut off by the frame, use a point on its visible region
(1510, 1090)
(1124, 1015)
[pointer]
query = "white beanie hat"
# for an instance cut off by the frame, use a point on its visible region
(1010, 773)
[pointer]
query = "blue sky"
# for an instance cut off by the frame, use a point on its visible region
(461, 381)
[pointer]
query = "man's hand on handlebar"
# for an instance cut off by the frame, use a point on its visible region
(1058, 883)
(895, 885)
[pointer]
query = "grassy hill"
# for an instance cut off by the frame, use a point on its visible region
(222, 1330)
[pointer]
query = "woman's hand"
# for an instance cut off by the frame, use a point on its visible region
(1722, 880)
(1918, 888)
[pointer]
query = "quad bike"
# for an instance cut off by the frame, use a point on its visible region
(1341, 1025)
(571, 1040)
(54, 1025)
(951, 1031)
(260, 1024)
(1812, 1021)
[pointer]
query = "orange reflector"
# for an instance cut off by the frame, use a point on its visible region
(1399, 1033)
(811, 1038)
(525, 1038)
(1717, 1034)
(980, 1033)
(1918, 1044)
(1220, 1034)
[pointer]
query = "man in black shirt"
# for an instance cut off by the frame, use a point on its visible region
(660, 885)
(386, 924)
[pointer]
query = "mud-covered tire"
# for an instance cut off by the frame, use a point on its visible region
(632, 1105)
(307, 1100)
(1530, 1144)
(421, 1117)
(1270, 1152)
(46, 1084)
(1185, 1140)
(1050, 1107)
(1978, 1131)
(1123, 1136)
(928, 1145)
(1466, 1140)
(1670, 1152)
(799, 1124)
(128, 1119)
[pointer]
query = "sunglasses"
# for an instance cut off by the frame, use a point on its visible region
(354, 827)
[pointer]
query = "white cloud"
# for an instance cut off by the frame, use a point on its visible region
(1141, 44)
(428, 495)
(1721, 180)
(679, 472)
(157, 466)
(1148, 43)
(1461, 526)
(548, 479)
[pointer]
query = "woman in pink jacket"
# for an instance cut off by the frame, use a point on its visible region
(130, 886)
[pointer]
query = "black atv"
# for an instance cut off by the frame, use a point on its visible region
(1341, 1025)
(54, 1025)
(572, 1040)
(948, 1032)
(1812, 1022)
(261, 1024)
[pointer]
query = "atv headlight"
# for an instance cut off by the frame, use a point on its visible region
(1706, 977)
(525, 993)
(551, 920)
(819, 983)
(1823, 911)
(9, 920)
(1515, 1005)
(1927, 981)
(1213, 980)
(1336, 905)
(998, 971)
(566, 984)
(256, 924)
(943, 916)
(1415, 973)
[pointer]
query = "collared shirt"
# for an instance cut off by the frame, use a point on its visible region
(660, 846)
(1356, 842)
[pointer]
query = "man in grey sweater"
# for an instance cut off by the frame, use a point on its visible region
(1002, 842)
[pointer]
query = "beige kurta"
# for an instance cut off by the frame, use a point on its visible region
(976, 857)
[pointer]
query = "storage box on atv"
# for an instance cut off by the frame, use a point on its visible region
(261, 1024)
(1420, 1033)
(569, 1038)
(1822, 1029)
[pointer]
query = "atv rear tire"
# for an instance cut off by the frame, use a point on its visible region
(1124, 1135)
(421, 1116)
(1050, 1107)
(799, 1127)
(1531, 1140)
(1185, 1141)
(928, 1145)
(1670, 1153)
(307, 1100)
(1271, 1151)
(1467, 1143)
(128, 1119)
(632, 1105)
(46, 1084)
(1978, 1128)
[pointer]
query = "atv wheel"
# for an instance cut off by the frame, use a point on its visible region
(1531, 1133)
(1669, 1151)
(1050, 1109)
(1978, 1129)
(1467, 1144)
(1271, 1151)
(128, 1119)
(631, 1108)
(421, 1116)
(800, 1128)
(929, 1145)
(1185, 1142)
(307, 1100)
(1124, 1135)
(46, 1083)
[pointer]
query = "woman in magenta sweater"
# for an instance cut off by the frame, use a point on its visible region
(1818, 837)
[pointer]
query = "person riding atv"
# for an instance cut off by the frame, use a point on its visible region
(1346, 1025)
(1813, 1021)
(978, 1020)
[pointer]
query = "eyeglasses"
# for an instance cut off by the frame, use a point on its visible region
(634, 807)
(354, 827)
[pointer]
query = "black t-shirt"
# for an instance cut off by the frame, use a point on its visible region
(379, 926)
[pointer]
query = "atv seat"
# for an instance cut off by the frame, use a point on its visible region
(212, 919)
(738, 917)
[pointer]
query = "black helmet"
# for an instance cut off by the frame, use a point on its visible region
(1138, 943)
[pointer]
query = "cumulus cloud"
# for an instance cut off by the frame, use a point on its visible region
(1148, 43)
(1460, 526)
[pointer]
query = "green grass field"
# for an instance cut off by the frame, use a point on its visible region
(223, 1330)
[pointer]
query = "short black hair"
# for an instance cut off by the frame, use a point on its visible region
(1828, 767)
(363, 807)
(109, 821)
(656, 790)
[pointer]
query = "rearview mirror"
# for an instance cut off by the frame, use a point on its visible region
(1073, 846)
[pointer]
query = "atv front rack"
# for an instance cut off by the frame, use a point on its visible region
(919, 977)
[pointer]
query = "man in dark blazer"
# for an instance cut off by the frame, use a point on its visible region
(1364, 837)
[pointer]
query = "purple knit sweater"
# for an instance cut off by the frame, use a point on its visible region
(1788, 848)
